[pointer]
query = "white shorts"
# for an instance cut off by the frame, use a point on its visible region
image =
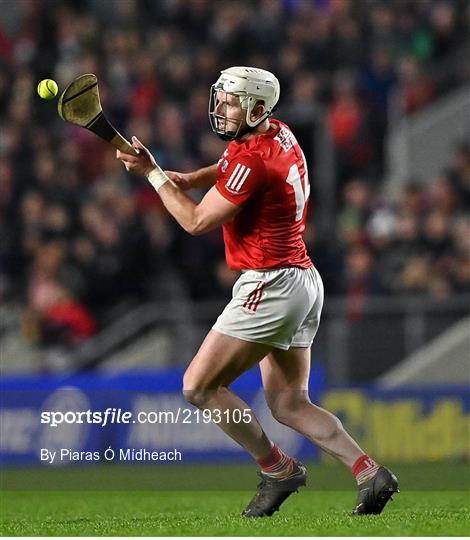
(280, 307)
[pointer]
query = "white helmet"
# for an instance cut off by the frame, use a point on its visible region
(251, 85)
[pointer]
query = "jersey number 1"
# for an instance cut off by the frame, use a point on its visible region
(301, 192)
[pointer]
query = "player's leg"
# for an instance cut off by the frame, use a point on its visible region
(219, 361)
(285, 376)
(285, 379)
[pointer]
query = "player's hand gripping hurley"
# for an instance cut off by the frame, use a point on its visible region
(80, 104)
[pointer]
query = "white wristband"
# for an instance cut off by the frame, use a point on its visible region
(157, 178)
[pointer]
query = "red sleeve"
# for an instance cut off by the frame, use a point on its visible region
(241, 179)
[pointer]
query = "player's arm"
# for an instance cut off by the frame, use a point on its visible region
(211, 212)
(205, 177)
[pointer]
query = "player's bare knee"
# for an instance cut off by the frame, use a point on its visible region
(196, 391)
(286, 407)
(193, 390)
(196, 397)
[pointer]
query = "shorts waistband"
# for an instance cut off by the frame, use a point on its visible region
(274, 269)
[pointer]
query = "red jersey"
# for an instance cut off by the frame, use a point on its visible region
(267, 176)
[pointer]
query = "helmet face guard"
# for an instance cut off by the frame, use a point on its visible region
(226, 128)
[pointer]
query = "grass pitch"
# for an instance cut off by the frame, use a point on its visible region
(427, 506)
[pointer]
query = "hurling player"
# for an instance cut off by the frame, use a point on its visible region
(258, 194)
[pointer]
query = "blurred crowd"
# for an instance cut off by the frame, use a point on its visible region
(418, 245)
(82, 240)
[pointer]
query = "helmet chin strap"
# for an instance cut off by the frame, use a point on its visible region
(238, 134)
(243, 131)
